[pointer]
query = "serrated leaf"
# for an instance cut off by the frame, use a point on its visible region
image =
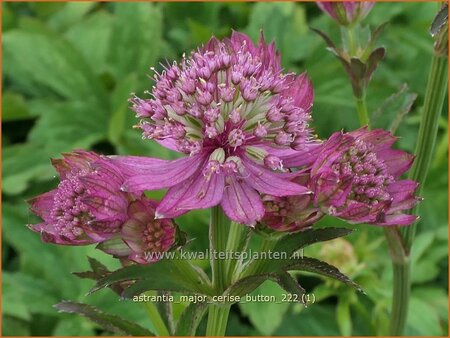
(91, 37)
(135, 47)
(290, 285)
(98, 272)
(440, 20)
(163, 275)
(248, 284)
(316, 266)
(294, 242)
(189, 319)
(56, 68)
(71, 125)
(109, 322)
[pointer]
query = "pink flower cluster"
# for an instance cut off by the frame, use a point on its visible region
(243, 127)
(88, 207)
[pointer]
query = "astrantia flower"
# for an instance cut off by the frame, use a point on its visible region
(356, 178)
(87, 206)
(346, 12)
(143, 239)
(290, 213)
(232, 110)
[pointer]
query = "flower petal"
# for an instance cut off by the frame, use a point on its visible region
(153, 174)
(195, 193)
(397, 161)
(402, 193)
(42, 205)
(294, 158)
(241, 203)
(268, 182)
(400, 219)
(115, 246)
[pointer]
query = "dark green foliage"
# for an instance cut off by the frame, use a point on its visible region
(68, 70)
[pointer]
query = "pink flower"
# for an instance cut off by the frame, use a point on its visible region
(238, 117)
(143, 239)
(356, 178)
(87, 206)
(346, 12)
(290, 213)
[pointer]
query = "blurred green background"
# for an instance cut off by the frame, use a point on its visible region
(68, 70)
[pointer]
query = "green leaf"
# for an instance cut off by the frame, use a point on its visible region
(14, 107)
(163, 275)
(56, 68)
(70, 125)
(248, 284)
(190, 319)
(265, 316)
(91, 37)
(135, 47)
(321, 268)
(286, 24)
(109, 322)
(24, 295)
(12, 326)
(422, 319)
(98, 272)
(316, 320)
(22, 163)
(63, 127)
(290, 285)
(294, 242)
(70, 14)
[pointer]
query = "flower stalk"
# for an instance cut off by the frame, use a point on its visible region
(361, 108)
(155, 318)
(218, 232)
(434, 99)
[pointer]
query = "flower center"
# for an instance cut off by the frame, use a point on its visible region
(370, 176)
(228, 89)
(69, 212)
(157, 236)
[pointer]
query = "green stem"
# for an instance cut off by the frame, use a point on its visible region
(348, 34)
(434, 99)
(237, 241)
(257, 266)
(156, 319)
(400, 301)
(218, 231)
(196, 277)
(217, 320)
(361, 108)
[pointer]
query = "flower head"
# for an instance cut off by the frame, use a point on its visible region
(290, 213)
(228, 94)
(87, 206)
(356, 177)
(346, 12)
(232, 110)
(143, 239)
